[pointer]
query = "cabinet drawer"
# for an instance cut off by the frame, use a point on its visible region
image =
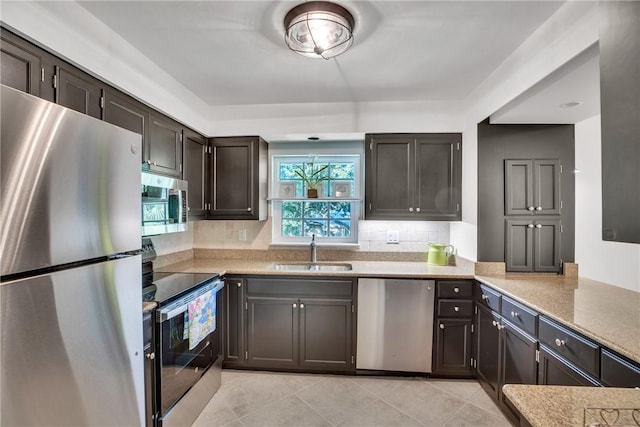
(576, 349)
(455, 289)
(519, 315)
(488, 297)
(455, 308)
(299, 287)
(617, 372)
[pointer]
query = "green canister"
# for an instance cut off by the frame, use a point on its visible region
(438, 254)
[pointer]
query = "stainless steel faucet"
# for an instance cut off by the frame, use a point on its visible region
(314, 255)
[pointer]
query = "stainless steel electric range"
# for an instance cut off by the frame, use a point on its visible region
(187, 340)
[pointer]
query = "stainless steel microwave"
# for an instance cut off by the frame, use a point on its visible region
(164, 205)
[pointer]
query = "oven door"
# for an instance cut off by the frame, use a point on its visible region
(183, 358)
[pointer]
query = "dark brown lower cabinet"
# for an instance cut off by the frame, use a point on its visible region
(296, 324)
(453, 347)
(234, 333)
(488, 350)
(272, 334)
(553, 370)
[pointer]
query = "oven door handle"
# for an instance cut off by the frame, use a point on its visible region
(170, 312)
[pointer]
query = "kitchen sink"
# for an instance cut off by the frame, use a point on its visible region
(313, 267)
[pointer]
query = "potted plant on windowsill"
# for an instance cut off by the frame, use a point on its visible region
(312, 177)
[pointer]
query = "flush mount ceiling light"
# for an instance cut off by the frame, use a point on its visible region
(571, 104)
(319, 29)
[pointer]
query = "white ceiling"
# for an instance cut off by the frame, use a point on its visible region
(577, 81)
(232, 52)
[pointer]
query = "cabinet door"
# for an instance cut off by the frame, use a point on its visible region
(78, 91)
(519, 244)
(488, 349)
(437, 165)
(452, 353)
(326, 334)
(519, 364)
(518, 181)
(234, 352)
(20, 64)
(195, 173)
(546, 194)
(555, 371)
(390, 177)
(235, 177)
(546, 243)
(124, 111)
(272, 339)
(163, 152)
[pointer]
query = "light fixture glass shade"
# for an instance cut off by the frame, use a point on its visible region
(319, 29)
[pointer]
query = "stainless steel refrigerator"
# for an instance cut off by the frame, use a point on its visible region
(70, 287)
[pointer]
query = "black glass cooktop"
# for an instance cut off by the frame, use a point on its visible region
(166, 286)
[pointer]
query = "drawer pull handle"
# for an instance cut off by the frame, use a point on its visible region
(560, 342)
(484, 297)
(456, 290)
(514, 314)
(456, 308)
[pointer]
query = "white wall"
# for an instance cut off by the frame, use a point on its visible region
(610, 262)
(571, 30)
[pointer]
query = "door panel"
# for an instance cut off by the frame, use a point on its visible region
(164, 149)
(195, 173)
(77, 91)
(325, 334)
(435, 180)
(518, 187)
(519, 245)
(488, 349)
(547, 245)
(273, 332)
(547, 186)
(453, 347)
(234, 351)
(555, 371)
(19, 68)
(519, 364)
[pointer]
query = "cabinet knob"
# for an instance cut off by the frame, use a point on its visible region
(417, 209)
(239, 284)
(456, 290)
(441, 326)
(538, 225)
(494, 323)
(484, 297)
(514, 314)
(248, 209)
(295, 305)
(301, 305)
(560, 342)
(539, 208)
(530, 208)
(410, 209)
(529, 225)
(150, 356)
(456, 308)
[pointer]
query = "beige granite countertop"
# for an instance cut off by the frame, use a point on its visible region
(550, 406)
(607, 314)
(464, 269)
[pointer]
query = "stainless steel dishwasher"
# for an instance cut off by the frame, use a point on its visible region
(395, 324)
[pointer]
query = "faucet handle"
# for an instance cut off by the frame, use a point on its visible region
(313, 238)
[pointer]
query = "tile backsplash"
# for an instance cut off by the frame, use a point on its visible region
(372, 235)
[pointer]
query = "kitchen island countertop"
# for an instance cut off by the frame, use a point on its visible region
(551, 406)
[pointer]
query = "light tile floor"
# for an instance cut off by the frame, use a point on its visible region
(248, 399)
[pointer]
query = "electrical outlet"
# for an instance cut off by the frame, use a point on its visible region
(242, 235)
(393, 237)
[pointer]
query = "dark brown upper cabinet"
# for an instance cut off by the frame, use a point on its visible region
(196, 152)
(20, 64)
(77, 90)
(413, 176)
(124, 111)
(532, 187)
(620, 114)
(163, 150)
(533, 245)
(238, 178)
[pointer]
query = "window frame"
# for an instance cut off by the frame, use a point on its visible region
(302, 156)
